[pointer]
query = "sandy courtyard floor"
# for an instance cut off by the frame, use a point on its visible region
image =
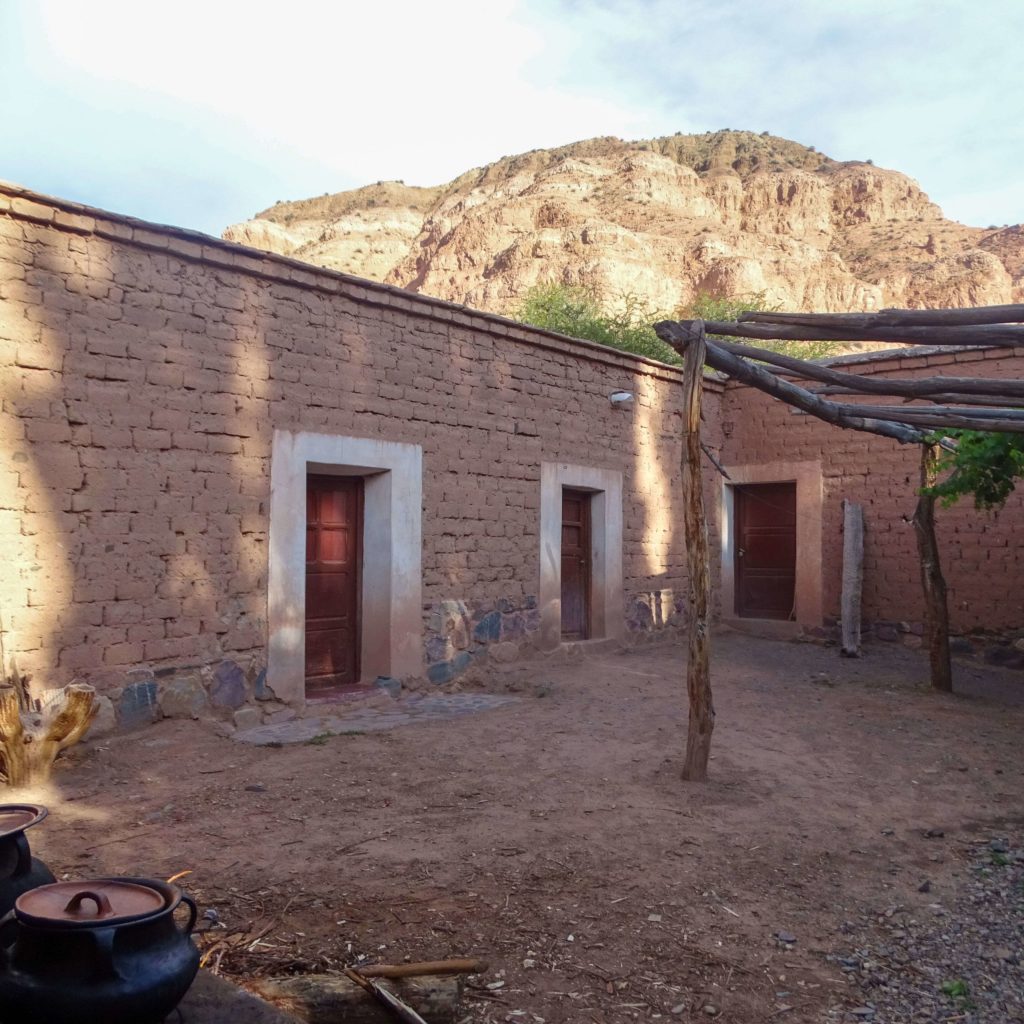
(553, 837)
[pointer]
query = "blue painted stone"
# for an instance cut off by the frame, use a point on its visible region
(446, 671)
(138, 705)
(392, 687)
(530, 602)
(506, 605)
(488, 629)
(228, 688)
(260, 689)
(532, 620)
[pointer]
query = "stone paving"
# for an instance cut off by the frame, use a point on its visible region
(404, 711)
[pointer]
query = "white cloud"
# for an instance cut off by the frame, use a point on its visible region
(203, 112)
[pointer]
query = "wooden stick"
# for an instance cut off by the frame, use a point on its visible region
(428, 967)
(399, 1010)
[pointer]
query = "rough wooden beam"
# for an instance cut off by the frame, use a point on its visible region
(1009, 335)
(674, 333)
(999, 421)
(948, 399)
(874, 385)
(964, 317)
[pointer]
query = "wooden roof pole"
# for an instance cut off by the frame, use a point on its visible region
(676, 334)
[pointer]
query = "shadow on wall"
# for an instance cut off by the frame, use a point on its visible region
(653, 600)
(135, 423)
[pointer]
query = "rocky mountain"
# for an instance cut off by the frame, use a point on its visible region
(728, 213)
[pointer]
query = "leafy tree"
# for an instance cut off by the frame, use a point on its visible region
(580, 313)
(625, 322)
(985, 465)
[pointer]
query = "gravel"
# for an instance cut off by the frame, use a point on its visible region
(959, 959)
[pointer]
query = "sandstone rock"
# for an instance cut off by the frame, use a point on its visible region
(183, 697)
(105, 721)
(504, 653)
(727, 212)
(247, 718)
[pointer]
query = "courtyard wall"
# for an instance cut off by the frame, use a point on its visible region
(982, 552)
(144, 373)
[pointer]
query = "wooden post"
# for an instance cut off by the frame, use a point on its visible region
(853, 577)
(936, 610)
(698, 668)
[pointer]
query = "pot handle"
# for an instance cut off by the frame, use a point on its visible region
(103, 907)
(193, 912)
(104, 939)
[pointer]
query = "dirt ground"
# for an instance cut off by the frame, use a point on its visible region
(554, 837)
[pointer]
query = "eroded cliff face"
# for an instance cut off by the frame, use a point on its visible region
(729, 213)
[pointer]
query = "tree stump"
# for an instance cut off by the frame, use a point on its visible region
(31, 740)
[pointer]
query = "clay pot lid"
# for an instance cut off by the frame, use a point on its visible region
(102, 901)
(16, 818)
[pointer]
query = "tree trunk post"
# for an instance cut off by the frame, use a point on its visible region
(935, 607)
(853, 577)
(698, 669)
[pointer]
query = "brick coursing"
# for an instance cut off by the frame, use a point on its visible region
(144, 371)
(983, 553)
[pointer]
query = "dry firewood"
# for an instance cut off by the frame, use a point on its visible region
(417, 970)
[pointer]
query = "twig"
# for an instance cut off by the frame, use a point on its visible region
(714, 462)
(120, 839)
(352, 846)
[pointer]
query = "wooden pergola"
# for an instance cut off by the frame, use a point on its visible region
(939, 404)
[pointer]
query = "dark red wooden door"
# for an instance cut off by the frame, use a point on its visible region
(334, 510)
(575, 565)
(765, 540)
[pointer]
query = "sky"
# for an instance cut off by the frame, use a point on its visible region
(202, 112)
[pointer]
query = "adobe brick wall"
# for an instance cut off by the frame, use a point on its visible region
(143, 372)
(983, 554)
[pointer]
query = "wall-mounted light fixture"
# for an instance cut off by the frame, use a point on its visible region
(621, 399)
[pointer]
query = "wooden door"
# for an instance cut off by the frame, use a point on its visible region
(765, 539)
(575, 565)
(334, 512)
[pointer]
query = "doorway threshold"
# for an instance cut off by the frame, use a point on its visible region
(768, 629)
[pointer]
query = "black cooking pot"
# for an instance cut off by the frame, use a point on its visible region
(107, 950)
(19, 870)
